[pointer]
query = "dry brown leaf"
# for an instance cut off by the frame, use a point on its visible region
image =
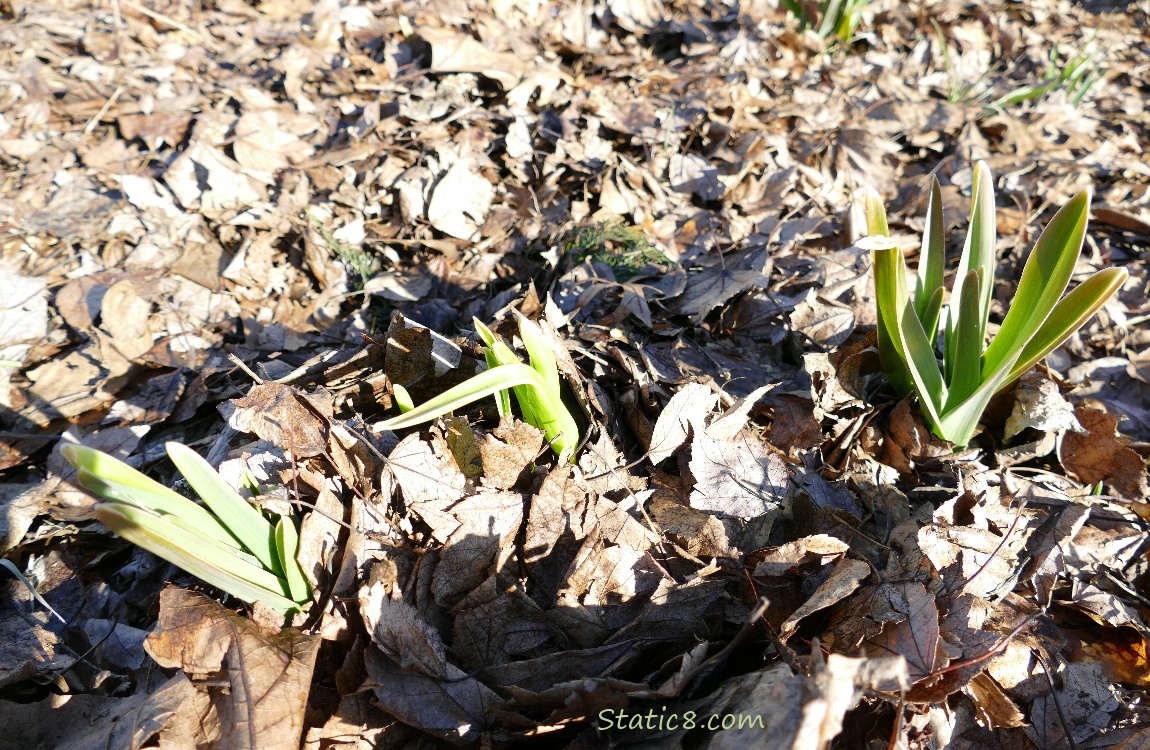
(459, 201)
(1124, 654)
(476, 534)
(430, 693)
(27, 648)
(820, 323)
(701, 534)
(915, 635)
(794, 426)
(23, 320)
(993, 707)
(1084, 706)
(1039, 406)
(819, 549)
(205, 179)
(740, 477)
(843, 581)
(686, 410)
(283, 416)
(1102, 455)
(75, 722)
(268, 675)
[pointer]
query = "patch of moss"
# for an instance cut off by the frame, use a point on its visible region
(624, 248)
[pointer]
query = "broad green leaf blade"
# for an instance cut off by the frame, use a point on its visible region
(1022, 94)
(483, 331)
(186, 515)
(1044, 279)
(539, 353)
(830, 14)
(479, 386)
(502, 398)
(538, 408)
(959, 423)
(247, 524)
(551, 415)
(402, 398)
(875, 213)
(891, 359)
(186, 551)
(931, 262)
(978, 253)
(178, 506)
(966, 370)
(500, 351)
(1070, 314)
(907, 334)
(890, 354)
(112, 469)
(287, 545)
(930, 319)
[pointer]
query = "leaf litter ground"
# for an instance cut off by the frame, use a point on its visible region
(328, 193)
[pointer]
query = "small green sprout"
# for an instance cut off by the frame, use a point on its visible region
(229, 544)
(1076, 76)
(1039, 319)
(839, 18)
(536, 389)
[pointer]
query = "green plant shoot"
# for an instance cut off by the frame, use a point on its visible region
(536, 389)
(839, 18)
(229, 544)
(1039, 319)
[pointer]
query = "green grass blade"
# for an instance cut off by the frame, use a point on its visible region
(1070, 314)
(287, 545)
(1044, 279)
(931, 262)
(187, 551)
(247, 524)
(967, 368)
